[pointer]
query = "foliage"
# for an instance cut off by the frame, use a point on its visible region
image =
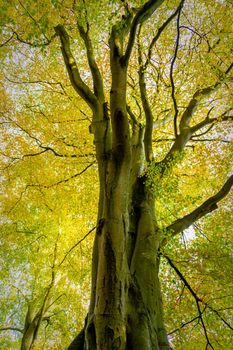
(49, 183)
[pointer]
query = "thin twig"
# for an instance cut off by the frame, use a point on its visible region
(76, 244)
(198, 301)
(172, 69)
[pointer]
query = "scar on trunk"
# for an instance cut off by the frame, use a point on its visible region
(100, 226)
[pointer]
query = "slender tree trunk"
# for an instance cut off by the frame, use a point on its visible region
(34, 318)
(28, 339)
(30, 330)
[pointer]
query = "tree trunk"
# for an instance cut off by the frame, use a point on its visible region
(30, 329)
(126, 309)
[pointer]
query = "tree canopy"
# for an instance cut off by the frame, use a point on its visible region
(59, 67)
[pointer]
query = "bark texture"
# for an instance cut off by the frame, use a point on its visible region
(126, 309)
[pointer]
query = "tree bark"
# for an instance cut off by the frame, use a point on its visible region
(30, 329)
(126, 308)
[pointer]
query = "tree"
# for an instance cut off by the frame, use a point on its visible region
(150, 84)
(36, 288)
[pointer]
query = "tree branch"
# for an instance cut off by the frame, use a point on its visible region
(182, 278)
(142, 15)
(132, 116)
(39, 316)
(223, 117)
(62, 181)
(96, 75)
(187, 133)
(184, 324)
(146, 108)
(221, 318)
(47, 186)
(197, 299)
(32, 18)
(198, 96)
(159, 32)
(82, 89)
(172, 68)
(76, 244)
(40, 145)
(208, 206)
(11, 329)
(35, 43)
(7, 41)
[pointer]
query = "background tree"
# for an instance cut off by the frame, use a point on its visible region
(153, 83)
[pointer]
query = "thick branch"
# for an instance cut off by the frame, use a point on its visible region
(194, 102)
(82, 89)
(96, 75)
(198, 97)
(146, 108)
(188, 133)
(142, 15)
(224, 117)
(208, 206)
